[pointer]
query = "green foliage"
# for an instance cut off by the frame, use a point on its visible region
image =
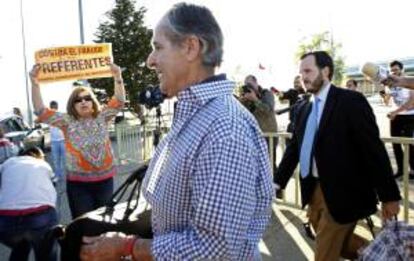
(324, 41)
(131, 45)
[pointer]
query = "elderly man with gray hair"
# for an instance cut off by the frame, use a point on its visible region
(209, 182)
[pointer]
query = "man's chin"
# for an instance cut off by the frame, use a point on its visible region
(310, 90)
(164, 91)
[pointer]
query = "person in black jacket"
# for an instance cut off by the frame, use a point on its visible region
(344, 165)
(293, 95)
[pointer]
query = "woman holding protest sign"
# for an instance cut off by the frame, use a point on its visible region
(89, 158)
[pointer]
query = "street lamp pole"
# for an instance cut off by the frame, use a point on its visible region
(29, 107)
(82, 34)
(82, 37)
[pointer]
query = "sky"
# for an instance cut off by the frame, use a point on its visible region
(256, 32)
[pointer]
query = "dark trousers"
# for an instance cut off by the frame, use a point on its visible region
(402, 125)
(23, 233)
(275, 142)
(87, 196)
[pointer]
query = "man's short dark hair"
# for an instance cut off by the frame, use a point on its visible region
(353, 81)
(251, 76)
(32, 151)
(397, 63)
(53, 104)
(322, 60)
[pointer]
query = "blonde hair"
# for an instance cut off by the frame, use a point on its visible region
(70, 107)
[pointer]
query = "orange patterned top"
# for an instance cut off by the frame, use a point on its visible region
(89, 156)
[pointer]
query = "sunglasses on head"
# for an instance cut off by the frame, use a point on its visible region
(83, 98)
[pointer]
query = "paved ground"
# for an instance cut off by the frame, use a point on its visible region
(284, 238)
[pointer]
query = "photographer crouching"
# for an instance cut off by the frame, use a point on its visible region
(260, 102)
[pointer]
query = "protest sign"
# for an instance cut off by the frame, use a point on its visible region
(74, 62)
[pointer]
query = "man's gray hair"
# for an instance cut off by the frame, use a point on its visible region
(185, 19)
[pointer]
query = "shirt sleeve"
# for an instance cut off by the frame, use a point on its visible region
(288, 95)
(231, 210)
(266, 103)
(114, 106)
(54, 118)
(365, 131)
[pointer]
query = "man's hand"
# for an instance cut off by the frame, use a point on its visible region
(142, 250)
(392, 115)
(34, 74)
(111, 247)
(106, 247)
(390, 209)
(116, 71)
(393, 80)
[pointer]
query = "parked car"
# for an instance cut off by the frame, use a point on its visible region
(19, 132)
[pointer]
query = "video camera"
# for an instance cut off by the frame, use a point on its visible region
(151, 97)
(247, 88)
(101, 95)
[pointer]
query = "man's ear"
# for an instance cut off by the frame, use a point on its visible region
(325, 73)
(192, 47)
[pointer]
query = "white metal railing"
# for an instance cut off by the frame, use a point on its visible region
(135, 144)
(129, 143)
(406, 142)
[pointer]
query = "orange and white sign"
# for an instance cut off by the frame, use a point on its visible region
(74, 62)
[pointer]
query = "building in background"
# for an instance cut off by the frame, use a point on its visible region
(368, 87)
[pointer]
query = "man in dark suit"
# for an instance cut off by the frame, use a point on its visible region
(344, 166)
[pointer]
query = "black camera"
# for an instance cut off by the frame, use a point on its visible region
(247, 88)
(101, 95)
(151, 97)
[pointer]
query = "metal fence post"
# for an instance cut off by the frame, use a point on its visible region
(406, 201)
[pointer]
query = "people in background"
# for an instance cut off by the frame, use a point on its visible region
(17, 112)
(261, 102)
(293, 95)
(352, 85)
(7, 148)
(57, 140)
(90, 164)
(402, 81)
(401, 119)
(27, 206)
(344, 167)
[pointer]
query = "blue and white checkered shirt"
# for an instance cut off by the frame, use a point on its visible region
(394, 243)
(209, 182)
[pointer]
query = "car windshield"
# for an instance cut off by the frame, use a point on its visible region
(12, 124)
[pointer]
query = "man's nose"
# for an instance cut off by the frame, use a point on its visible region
(151, 61)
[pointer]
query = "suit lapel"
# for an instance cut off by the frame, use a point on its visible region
(327, 110)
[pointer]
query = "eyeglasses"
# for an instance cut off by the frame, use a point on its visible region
(83, 98)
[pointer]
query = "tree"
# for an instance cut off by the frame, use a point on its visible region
(324, 41)
(131, 45)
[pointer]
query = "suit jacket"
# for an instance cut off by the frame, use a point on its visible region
(353, 166)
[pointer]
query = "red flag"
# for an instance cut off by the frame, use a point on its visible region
(274, 90)
(261, 67)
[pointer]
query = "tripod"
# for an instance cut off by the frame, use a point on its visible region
(157, 131)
